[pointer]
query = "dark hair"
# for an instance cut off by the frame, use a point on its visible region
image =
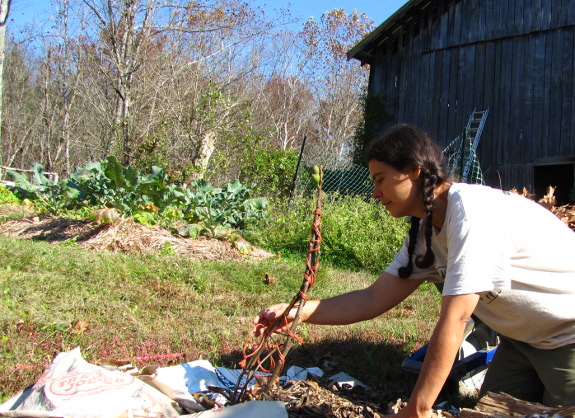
(404, 147)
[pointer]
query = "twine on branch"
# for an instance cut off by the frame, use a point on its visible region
(268, 349)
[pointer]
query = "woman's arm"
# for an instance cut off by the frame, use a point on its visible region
(441, 353)
(359, 305)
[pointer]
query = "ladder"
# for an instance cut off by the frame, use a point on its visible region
(475, 126)
(462, 162)
(473, 131)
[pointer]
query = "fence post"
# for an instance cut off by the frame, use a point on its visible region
(297, 168)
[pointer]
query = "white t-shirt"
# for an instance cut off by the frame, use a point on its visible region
(515, 253)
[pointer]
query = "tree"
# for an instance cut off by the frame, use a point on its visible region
(130, 30)
(21, 108)
(338, 84)
(285, 106)
(4, 12)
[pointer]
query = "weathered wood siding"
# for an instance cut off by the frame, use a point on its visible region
(516, 57)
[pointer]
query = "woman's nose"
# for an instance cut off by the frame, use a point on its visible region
(375, 194)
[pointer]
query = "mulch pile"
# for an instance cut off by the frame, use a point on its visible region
(310, 399)
(126, 236)
(566, 213)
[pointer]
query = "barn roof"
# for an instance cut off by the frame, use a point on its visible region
(364, 50)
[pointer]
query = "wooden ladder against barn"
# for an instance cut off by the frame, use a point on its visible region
(473, 132)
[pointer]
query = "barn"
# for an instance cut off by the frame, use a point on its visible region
(435, 62)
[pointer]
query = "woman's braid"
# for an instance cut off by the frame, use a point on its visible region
(428, 182)
(405, 272)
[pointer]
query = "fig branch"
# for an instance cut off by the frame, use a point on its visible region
(265, 351)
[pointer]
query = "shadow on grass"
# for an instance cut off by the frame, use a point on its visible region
(376, 364)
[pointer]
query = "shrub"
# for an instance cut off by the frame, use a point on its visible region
(356, 234)
(6, 196)
(271, 170)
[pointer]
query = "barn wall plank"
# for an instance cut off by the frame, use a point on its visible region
(572, 98)
(556, 92)
(546, 114)
(487, 63)
(566, 87)
(536, 70)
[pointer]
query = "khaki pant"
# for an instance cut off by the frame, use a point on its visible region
(532, 374)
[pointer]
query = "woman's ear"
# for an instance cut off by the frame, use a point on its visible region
(415, 172)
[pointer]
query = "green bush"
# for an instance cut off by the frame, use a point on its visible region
(356, 234)
(6, 196)
(270, 170)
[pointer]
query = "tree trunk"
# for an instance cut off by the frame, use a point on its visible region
(205, 153)
(4, 11)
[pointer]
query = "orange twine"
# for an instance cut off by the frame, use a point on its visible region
(267, 331)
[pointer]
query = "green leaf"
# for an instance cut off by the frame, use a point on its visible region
(131, 175)
(39, 177)
(74, 191)
(257, 204)
(190, 230)
(114, 172)
(234, 187)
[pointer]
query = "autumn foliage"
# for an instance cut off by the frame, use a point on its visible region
(565, 212)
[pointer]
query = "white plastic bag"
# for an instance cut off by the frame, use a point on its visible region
(252, 409)
(72, 387)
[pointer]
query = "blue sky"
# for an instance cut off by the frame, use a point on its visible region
(379, 10)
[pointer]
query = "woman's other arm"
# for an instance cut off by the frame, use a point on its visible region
(441, 353)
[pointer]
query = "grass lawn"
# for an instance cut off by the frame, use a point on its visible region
(168, 309)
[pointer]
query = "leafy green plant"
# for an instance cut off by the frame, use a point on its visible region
(148, 198)
(219, 209)
(41, 189)
(7, 197)
(271, 170)
(361, 234)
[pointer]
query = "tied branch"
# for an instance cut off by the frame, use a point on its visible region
(267, 351)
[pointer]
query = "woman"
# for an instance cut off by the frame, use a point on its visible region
(500, 256)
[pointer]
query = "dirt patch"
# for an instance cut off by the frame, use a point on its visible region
(127, 236)
(309, 399)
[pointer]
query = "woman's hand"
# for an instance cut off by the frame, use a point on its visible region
(267, 317)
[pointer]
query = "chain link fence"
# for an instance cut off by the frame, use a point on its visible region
(340, 174)
(343, 177)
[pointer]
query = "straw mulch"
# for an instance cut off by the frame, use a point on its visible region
(125, 236)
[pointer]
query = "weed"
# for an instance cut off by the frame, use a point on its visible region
(70, 243)
(167, 249)
(6, 196)
(357, 235)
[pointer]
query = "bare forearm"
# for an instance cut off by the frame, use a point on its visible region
(385, 293)
(438, 363)
(339, 310)
(360, 305)
(441, 352)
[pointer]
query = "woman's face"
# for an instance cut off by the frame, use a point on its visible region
(398, 192)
